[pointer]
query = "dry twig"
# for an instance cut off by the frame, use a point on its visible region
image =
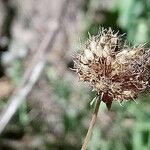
(92, 123)
(33, 70)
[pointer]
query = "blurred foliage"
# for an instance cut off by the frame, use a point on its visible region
(15, 72)
(134, 17)
(130, 125)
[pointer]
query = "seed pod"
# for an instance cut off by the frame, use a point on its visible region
(116, 71)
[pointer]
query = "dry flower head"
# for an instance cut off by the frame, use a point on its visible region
(114, 69)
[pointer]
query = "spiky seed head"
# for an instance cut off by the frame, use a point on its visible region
(114, 69)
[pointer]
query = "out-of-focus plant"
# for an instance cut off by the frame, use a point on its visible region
(134, 17)
(15, 73)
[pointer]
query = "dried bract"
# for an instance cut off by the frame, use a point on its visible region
(115, 70)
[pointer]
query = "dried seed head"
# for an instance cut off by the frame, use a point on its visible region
(115, 70)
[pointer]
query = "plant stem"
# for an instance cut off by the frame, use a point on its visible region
(92, 123)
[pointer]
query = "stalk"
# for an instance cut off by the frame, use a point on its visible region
(92, 123)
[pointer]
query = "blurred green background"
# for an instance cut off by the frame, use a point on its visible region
(124, 127)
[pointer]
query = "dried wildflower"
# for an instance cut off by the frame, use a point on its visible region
(115, 70)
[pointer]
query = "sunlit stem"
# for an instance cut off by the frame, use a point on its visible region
(92, 123)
